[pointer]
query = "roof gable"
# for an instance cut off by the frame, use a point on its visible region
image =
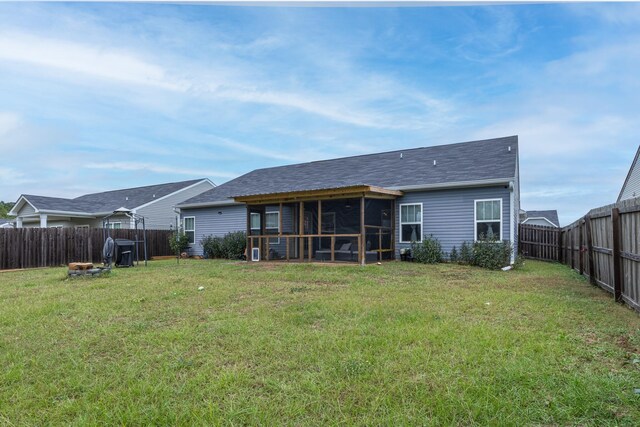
(106, 201)
(631, 186)
(549, 215)
(441, 164)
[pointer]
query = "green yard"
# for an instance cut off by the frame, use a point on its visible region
(315, 345)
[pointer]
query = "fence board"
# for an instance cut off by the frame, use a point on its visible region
(48, 247)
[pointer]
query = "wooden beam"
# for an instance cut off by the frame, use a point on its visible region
(362, 249)
(581, 244)
(319, 216)
(249, 240)
(348, 191)
(393, 227)
(592, 273)
(280, 222)
(617, 261)
(301, 231)
(560, 250)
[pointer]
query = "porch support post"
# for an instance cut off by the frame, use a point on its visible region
(319, 216)
(19, 222)
(249, 239)
(393, 228)
(43, 220)
(301, 232)
(363, 243)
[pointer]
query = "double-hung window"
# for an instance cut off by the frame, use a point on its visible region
(255, 223)
(411, 223)
(190, 228)
(488, 219)
(272, 225)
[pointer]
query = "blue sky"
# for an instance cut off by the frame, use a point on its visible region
(102, 96)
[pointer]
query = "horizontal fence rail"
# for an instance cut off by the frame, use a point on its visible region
(50, 247)
(603, 246)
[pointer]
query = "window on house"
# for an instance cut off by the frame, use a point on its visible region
(255, 221)
(489, 219)
(190, 228)
(411, 223)
(82, 226)
(115, 225)
(272, 220)
(272, 224)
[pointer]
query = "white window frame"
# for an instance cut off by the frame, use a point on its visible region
(184, 227)
(112, 225)
(476, 220)
(421, 222)
(251, 215)
(277, 240)
(82, 226)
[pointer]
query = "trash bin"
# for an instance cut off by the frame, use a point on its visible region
(124, 252)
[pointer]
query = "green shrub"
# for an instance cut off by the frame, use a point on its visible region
(231, 246)
(427, 252)
(212, 247)
(453, 256)
(234, 244)
(466, 255)
(178, 242)
(491, 254)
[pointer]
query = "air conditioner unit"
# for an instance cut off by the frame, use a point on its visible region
(255, 254)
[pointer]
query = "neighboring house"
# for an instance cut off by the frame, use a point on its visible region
(546, 218)
(6, 223)
(368, 207)
(631, 186)
(155, 202)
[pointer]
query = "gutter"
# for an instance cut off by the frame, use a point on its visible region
(458, 184)
(207, 204)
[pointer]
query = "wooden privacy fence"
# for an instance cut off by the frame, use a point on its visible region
(539, 242)
(604, 246)
(48, 247)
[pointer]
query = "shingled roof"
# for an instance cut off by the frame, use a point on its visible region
(108, 201)
(484, 160)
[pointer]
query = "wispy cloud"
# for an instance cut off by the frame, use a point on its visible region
(150, 167)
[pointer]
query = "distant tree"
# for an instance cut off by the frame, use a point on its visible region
(5, 207)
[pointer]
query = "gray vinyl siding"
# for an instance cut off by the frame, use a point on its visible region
(215, 221)
(449, 214)
(160, 215)
(632, 186)
(27, 209)
(516, 209)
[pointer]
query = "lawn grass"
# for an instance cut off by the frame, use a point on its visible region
(304, 344)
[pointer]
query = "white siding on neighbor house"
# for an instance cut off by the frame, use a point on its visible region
(215, 221)
(632, 186)
(160, 215)
(449, 214)
(538, 221)
(26, 209)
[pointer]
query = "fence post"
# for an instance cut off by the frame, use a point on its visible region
(573, 257)
(617, 262)
(587, 223)
(560, 254)
(580, 246)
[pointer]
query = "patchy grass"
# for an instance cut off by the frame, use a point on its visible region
(309, 344)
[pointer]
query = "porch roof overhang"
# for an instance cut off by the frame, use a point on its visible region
(326, 193)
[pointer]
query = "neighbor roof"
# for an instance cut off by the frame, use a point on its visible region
(108, 201)
(550, 215)
(483, 160)
(631, 186)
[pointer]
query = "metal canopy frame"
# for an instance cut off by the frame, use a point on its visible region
(137, 220)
